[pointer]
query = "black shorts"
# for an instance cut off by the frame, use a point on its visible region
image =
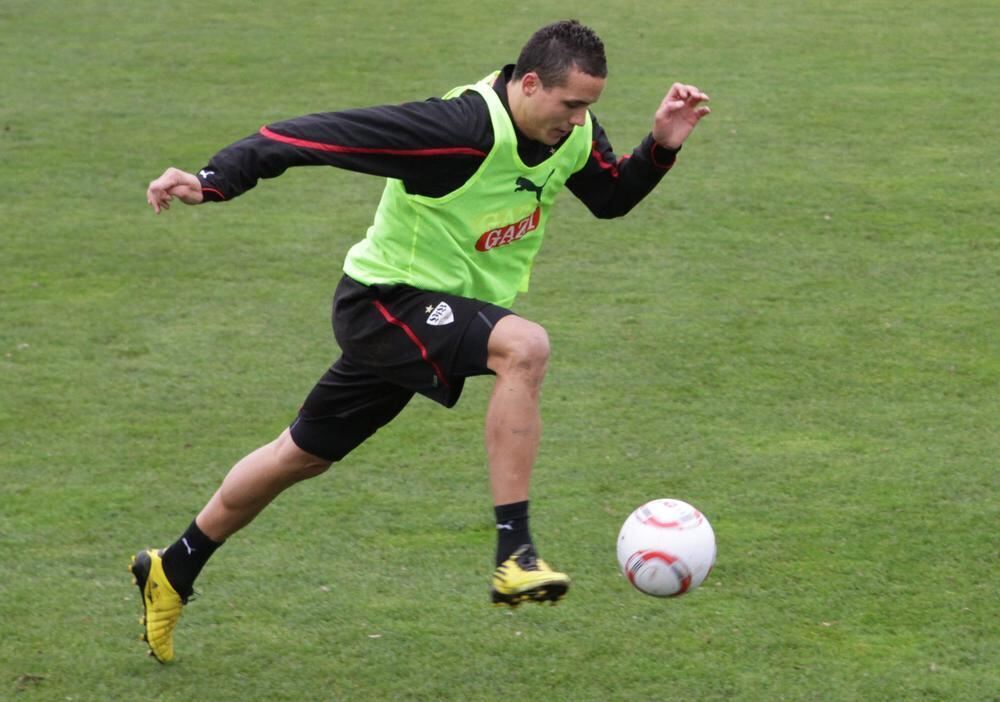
(395, 341)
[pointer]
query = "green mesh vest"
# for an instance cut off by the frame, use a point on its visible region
(478, 241)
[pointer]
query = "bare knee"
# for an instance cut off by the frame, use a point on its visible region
(298, 464)
(517, 346)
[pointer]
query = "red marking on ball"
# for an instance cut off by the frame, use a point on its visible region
(648, 518)
(638, 559)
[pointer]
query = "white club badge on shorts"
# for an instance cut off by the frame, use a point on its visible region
(441, 315)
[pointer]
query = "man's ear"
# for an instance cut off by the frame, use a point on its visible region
(530, 83)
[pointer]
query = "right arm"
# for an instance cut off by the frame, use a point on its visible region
(432, 146)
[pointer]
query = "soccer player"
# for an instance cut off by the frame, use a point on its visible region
(425, 298)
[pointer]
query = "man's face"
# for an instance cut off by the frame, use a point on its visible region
(549, 113)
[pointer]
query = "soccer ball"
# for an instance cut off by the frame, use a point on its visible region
(666, 548)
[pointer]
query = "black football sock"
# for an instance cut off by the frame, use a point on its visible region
(512, 528)
(184, 559)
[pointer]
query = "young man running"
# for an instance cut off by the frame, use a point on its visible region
(425, 297)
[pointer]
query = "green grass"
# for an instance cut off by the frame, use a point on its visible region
(798, 332)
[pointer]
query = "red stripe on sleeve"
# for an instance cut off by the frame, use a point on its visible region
(337, 148)
(599, 157)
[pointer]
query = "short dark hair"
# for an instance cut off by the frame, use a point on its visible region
(556, 48)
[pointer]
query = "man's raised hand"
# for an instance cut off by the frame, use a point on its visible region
(678, 115)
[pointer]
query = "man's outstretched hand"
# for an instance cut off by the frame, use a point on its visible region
(174, 183)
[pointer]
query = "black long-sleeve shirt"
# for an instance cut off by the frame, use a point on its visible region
(433, 146)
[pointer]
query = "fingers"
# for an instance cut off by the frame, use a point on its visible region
(158, 197)
(155, 201)
(686, 93)
(681, 110)
(160, 192)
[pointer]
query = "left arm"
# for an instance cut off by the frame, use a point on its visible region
(610, 187)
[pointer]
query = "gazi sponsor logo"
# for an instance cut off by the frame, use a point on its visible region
(508, 234)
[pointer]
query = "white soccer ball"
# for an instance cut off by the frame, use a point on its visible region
(666, 548)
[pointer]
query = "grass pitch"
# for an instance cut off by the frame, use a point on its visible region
(797, 332)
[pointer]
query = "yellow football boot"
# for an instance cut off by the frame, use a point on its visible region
(523, 577)
(160, 602)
